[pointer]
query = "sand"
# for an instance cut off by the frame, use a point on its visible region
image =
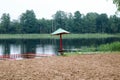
(77, 67)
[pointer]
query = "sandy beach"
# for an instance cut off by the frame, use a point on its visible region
(75, 67)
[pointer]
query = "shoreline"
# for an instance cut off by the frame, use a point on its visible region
(49, 36)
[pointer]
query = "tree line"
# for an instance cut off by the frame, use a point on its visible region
(75, 23)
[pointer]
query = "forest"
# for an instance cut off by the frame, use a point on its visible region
(75, 23)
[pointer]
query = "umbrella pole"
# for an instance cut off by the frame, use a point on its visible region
(61, 50)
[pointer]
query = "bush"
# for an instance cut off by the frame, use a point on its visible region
(115, 46)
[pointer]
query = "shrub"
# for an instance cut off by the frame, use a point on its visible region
(115, 46)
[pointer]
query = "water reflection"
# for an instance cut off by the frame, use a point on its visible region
(15, 49)
(2, 49)
(45, 49)
(47, 46)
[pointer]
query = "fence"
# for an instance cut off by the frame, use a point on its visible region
(23, 56)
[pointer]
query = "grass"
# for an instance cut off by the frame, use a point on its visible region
(70, 54)
(115, 46)
(90, 35)
(80, 53)
(109, 47)
(102, 49)
(49, 36)
(25, 36)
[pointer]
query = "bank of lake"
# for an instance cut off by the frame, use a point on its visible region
(49, 36)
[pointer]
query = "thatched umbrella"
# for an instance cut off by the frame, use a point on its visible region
(60, 31)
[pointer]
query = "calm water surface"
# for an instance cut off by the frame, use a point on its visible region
(47, 46)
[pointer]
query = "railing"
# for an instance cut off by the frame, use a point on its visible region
(23, 56)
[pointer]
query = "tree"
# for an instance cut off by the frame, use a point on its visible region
(77, 22)
(90, 23)
(117, 2)
(102, 23)
(114, 24)
(70, 22)
(28, 21)
(60, 19)
(15, 27)
(5, 23)
(45, 26)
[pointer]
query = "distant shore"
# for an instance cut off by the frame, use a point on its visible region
(49, 36)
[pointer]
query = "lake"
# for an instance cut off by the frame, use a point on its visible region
(47, 46)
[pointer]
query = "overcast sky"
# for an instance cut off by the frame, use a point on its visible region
(46, 8)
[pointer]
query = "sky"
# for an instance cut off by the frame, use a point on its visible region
(47, 8)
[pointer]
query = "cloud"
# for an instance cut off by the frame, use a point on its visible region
(46, 8)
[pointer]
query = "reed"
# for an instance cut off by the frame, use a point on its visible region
(49, 36)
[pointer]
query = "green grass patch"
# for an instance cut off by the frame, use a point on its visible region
(115, 46)
(83, 53)
(49, 36)
(88, 49)
(25, 36)
(109, 47)
(112, 48)
(71, 53)
(90, 35)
